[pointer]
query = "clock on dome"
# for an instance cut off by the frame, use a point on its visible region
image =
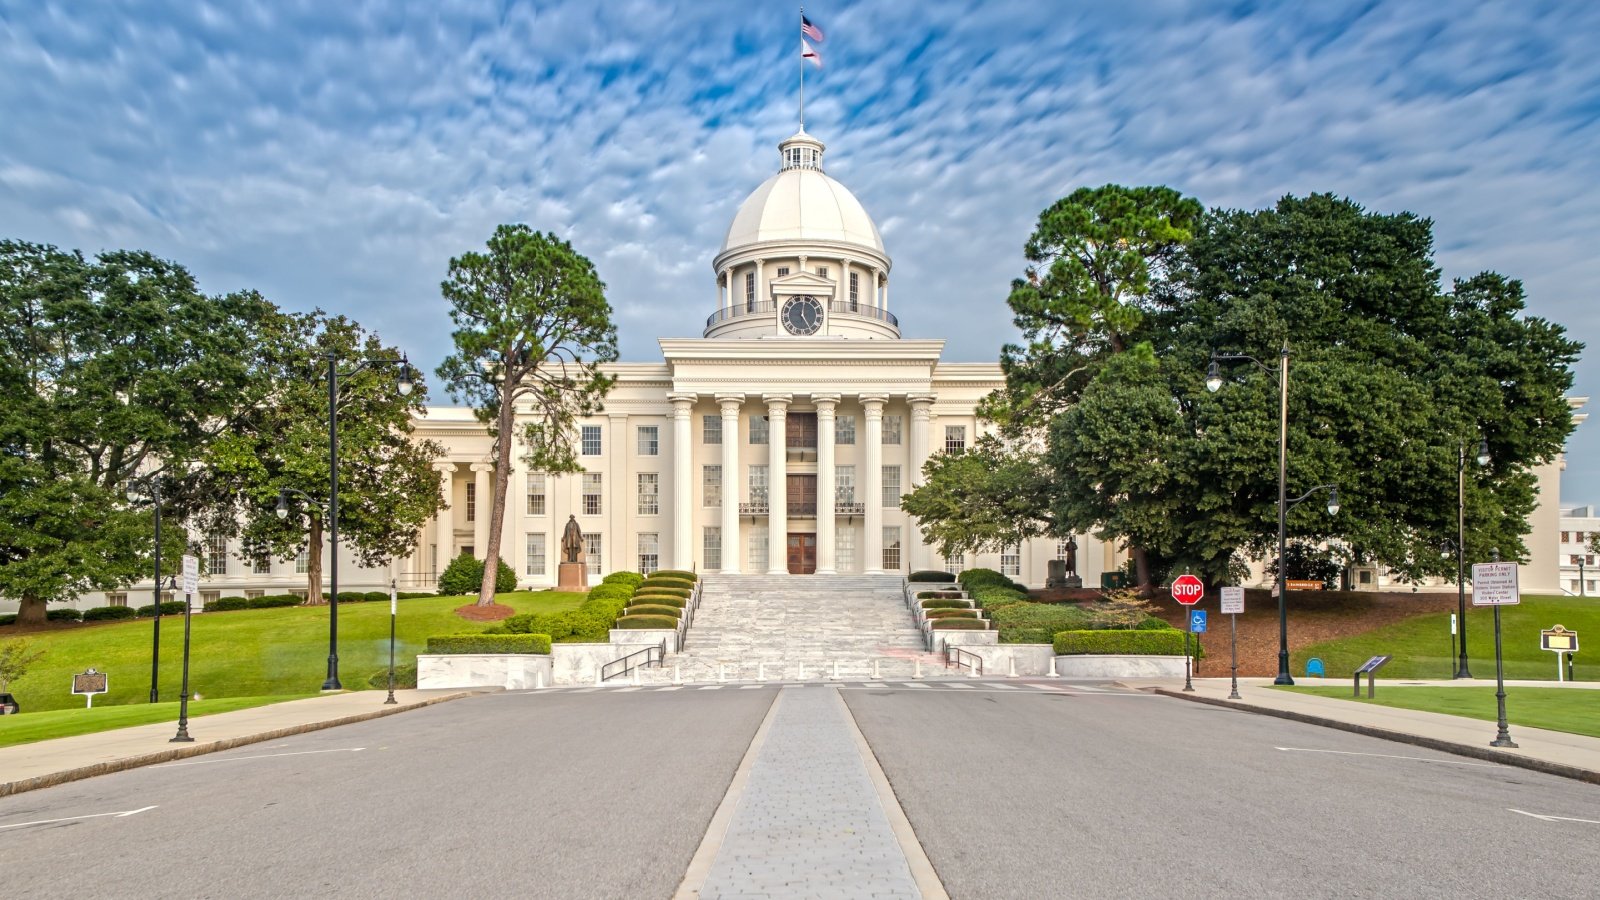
(801, 315)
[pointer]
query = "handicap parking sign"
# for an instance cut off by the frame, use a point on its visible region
(1197, 621)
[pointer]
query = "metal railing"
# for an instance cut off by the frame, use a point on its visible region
(863, 310)
(962, 659)
(769, 307)
(656, 656)
(849, 508)
(761, 307)
(688, 614)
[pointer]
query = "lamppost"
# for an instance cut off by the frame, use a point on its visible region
(393, 609)
(150, 486)
(1461, 543)
(1213, 384)
(182, 736)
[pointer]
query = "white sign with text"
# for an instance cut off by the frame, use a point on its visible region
(1495, 584)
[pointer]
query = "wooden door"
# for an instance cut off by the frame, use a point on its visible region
(801, 494)
(802, 554)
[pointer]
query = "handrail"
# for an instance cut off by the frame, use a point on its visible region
(688, 613)
(963, 659)
(656, 655)
(863, 310)
(761, 307)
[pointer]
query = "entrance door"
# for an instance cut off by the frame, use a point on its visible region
(801, 497)
(802, 554)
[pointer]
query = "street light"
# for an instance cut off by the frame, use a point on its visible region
(150, 487)
(182, 736)
(1213, 384)
(1461, 544)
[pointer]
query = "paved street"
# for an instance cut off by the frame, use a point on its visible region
(1014, 789)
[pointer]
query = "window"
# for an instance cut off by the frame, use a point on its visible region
(1589, 560)
(955, 564)
(711, 488)
(713, 548)
(251, 595)
(536, 505)
(649, 552)
(1061, 550)
(891, 486)
(823, 271)
(209, 597)
(782, 271)
(117, 598)
(592, 484)
(1565, 535)
(1011, 561)
(592, 546)
(590, 444)
(801, 431)
(955, 438)
(844, 484)
(649, 440)
(758, 549)
(261, 566)
(749, 292)
(855, 291)
(1589, 584)
(711, 429)
(891, 548)
(216, 555)
(758, 429)
(844, 430)
(1577, 559)
(891, 429)
(472, 502)
(758, 484)
(300, 593)
(649, 493)
(535, 564)
(844, 549)
(302, 562)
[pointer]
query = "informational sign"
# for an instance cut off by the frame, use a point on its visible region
(1188, 589)
(90, 683)
(191, 576)
(1495, 584)
(1304, 584)
(1232, 601)
(1559, 640)
(1197, 621)
(1373, 665)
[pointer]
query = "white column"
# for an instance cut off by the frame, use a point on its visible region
(761, 281)
(877, 287)
(727, 279)
(444, 521)
(732, 548)
(616, 552)
(682, 484)
(480, 514)
(844, 283)
(872, 484)
(921, 426)
(826, 404)
(777, 483)
(885, 305)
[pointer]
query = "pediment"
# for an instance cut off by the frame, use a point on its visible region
(804, 283)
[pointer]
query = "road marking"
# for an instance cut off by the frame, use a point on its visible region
(712, 687)
(116, 815)
(1007, 687)
(751, 687)
(677, 688)
(1447, 762)
(913, 684)
(1552, 818)
(206, 762)
(625, 690)
(872, 684)
(959, 687)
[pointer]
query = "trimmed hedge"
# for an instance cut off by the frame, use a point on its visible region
(675, 573)
(489, 643)
(414, 595)
(274, 601)
(1167, 642)
(1037, 623)
(931, 576)
(941, 595)
(169, 608)
(611, 591)
(65, 614)
(631, 579)
(648, 588)
(1154, 624)
(379, 596)
(405, 676)
(110, 613)
(464, 575)
(995, 597)
(960, 625)
(662, 600)
(590, 623)
(945, 604)
(654, 581)
(950, 614)
(652, 609)
(638, 622)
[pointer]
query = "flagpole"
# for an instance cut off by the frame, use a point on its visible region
(802, 71)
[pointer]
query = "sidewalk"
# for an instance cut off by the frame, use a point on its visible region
(1552, 752)
(27, 767)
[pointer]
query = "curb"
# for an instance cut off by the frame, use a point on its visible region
(1487, 754)
(150, 759)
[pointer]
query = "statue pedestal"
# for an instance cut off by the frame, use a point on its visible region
(573, 576)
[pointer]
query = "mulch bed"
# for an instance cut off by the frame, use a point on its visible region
(494, 612)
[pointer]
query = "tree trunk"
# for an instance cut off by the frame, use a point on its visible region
(1141, 569)
(31, 611)
(314, 564)
(497, 506)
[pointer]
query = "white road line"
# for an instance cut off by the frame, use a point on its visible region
(116, 815)
(751, 687)
(959, 687)
(1446, 762)
(712, 687)
(207, 762)
(913, 684)
(872, 684)
(676, 688)
(1552, 818)
(625, 690)
(1008, 687)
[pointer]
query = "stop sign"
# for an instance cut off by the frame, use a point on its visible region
(1187, 589)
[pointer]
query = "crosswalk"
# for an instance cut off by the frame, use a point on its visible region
(969, 686)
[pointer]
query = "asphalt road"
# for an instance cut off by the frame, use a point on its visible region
(550, 794)
(1037, 795)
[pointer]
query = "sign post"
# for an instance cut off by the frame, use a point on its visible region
(1495, 584)
(90, 683)
(191, 587)
(1561, 642)
(1232, 605)
(1187, 590)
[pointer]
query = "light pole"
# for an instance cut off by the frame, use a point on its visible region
(1461, 544)
(1213, 384)
(393, 610)
(151, 487)
(182, 736)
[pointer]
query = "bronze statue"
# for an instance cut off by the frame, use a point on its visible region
(1070, 555)
(572, 541)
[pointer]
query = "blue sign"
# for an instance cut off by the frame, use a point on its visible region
(1197, 621)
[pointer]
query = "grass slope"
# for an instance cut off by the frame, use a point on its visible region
(1574, 710)
(248, 653)
(1421, 645)
(56, 723)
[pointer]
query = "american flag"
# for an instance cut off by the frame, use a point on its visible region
(809, 52)
(810, 30)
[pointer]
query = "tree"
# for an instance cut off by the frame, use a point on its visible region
(15, 659)
(990, 497)
(109, 367)
(532, 329)
(388, 488)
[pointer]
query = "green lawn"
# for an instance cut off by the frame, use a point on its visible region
(1421, 645)
(56, 723)
(248, 653)
(1574, 710)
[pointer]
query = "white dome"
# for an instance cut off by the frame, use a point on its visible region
(800, 203)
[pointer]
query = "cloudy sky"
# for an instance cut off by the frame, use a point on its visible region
(338, 154)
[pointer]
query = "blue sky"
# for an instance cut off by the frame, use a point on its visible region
(338, 154)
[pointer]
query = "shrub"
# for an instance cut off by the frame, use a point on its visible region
(227, 604)
(946, 604)
(1037, 623)
(489, 643)
(352, 597)
(655, 581)
(610, 591)
(675, 573)
(169, 608)
(414, 595)
(379, 596)
(931, 576)
(648, 588)
(589, 623)
(960, 624)
(941, 595)
(273, 601)
(994, 597)
(8, 619)
(111, 613)
(662, 600)
(651, 609)
(1145, 643)
(982, 577)
(405, 676)
(631, 579)
(636, 622)
(950, 613)
(464, 575)
(1155, 624)
(67, 614)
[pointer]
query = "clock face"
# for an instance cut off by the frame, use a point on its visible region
(802, 315)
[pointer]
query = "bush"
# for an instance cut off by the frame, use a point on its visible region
(464, 575)
(1155, 624)
(946, 604)
(675, 573)
(414, 595)
(652, 609)
(960, 625)
(637, 622)
(1168, 642)
(8, 619)
(352, 597)
(950, 613)
(405, 676)
(931, 576)
(110, 613)
(973, 578)
(273, 601)
(655, 581)
(631, 579)
(941, 595)
(661, 600)
(647, 588)
(589, 623)
(489, 643)
(994, 597)
(67, 614)
(379, 596)
(611, 591)
(227, 604)
(1037, 623)
(169, 608)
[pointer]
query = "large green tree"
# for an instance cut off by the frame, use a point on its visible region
(993, 495)
(532, 329)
